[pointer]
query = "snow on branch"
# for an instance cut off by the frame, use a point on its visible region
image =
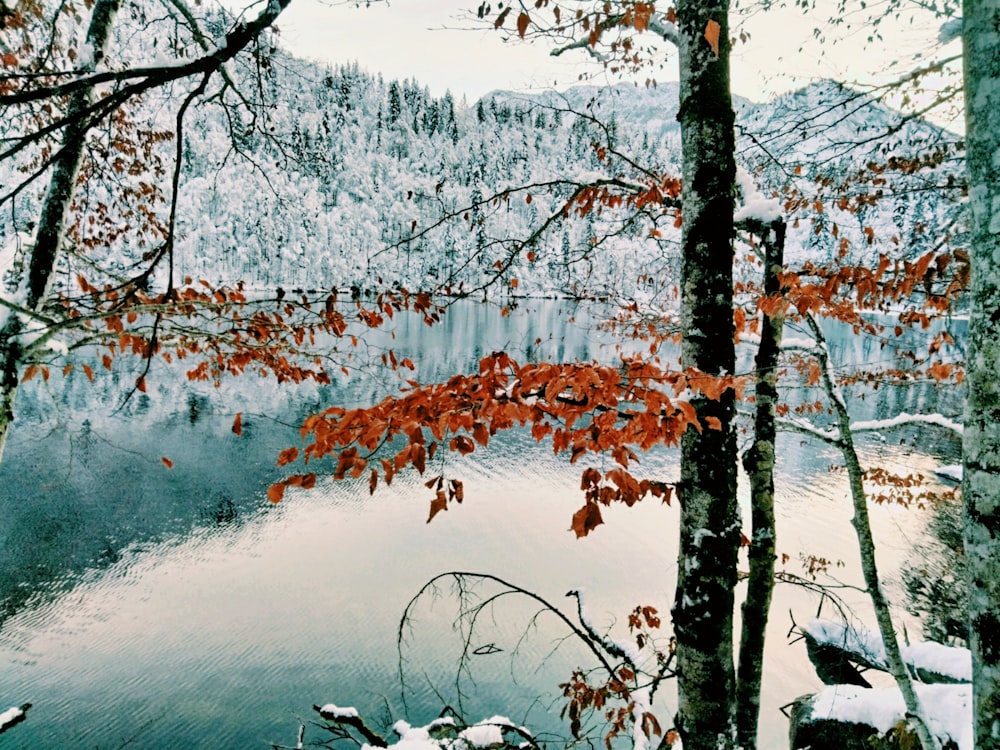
(622, 650)
(756, 208)
(932, 662)
(13, 716)
(906, 419)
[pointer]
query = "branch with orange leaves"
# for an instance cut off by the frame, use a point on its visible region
(581, 407)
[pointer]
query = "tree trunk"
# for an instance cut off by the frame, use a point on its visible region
(44, 256)
(759, 464)
(866, 545)
(981, 444)
(710, 520)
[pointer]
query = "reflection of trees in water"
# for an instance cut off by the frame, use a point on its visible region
(934, 578)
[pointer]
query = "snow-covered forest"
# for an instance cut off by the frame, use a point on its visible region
(349, 180)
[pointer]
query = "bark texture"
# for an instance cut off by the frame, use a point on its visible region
(981, 444)
(759, 464)
(710, 521)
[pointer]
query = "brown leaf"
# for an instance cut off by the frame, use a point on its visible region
(643, 14)
(238, 423)
(419, 458)
(373, 482)
(712, 30)
(463, 444)
(522, 24)
(275, 492)
(167, 462)
(586, 520)
(287, 456)
(439, 503)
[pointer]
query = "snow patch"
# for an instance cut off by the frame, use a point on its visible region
(10, 716)
(948, 708)
(338, 712)
(950, 31)
(756, 207)
(951, 471)
(928, 656)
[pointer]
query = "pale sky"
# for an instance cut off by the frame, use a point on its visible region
(428, 40)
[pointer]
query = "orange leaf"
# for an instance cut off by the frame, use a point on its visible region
(418, 457)
(167, 462)
(439, 503)
(522, 24)
(238, 423)
(586, 520)
(29, 372)
(8, 59)
(140, 383)
(106, 361)
(463, 444)
(643, 14)
(712, 30)
(812, 378)
(275, 492)
(89, 373)
(373, 482)
(67, 370)
(287, 456)
(713, 423)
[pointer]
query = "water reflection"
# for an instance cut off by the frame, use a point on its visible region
(178, 608)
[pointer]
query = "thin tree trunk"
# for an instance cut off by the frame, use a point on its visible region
(866, 544)
(981, 444)
(710, 520)
(44, 255)
(759, 464)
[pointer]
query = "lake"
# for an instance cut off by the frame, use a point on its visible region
(149, 607)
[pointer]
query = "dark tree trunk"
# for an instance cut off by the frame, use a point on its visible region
(981, 444)
(710, 520)
(759, 464)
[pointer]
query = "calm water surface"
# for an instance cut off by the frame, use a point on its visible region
(155, 608)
